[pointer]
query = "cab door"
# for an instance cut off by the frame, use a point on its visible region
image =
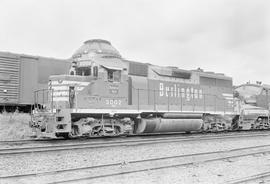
(71, 96)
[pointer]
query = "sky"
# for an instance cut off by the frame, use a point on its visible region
(223, 36)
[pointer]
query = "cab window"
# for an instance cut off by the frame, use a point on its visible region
(83, 71)
(114, 75)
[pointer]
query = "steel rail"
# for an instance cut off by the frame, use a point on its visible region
(228, 132)
(87, 145)
(29, 140)
(250, 178)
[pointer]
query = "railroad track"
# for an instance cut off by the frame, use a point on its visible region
(37, 140)
(84, 174)
(252, 179)
(25, 141)
(124, 142)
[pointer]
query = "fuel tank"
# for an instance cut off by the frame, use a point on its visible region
(171, 115)
(158, 125)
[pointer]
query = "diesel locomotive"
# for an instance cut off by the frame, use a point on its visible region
(107, 95)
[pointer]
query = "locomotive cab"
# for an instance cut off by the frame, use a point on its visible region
(101, 85)
(97, 78)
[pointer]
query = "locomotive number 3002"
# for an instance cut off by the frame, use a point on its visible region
(113, 102)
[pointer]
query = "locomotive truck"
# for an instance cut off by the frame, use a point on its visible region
(107, 95)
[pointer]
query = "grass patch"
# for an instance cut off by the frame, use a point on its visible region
(14, 126)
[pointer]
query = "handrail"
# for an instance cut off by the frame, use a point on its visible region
(174, 99)
(218, 104)
(44, 99)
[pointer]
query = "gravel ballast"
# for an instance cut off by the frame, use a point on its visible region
(41, 162)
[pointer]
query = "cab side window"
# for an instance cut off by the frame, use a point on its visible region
(95, 71)
(110, 75)
(114, 75)
(117, 76)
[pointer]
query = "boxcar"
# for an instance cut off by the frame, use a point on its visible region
(21, 75)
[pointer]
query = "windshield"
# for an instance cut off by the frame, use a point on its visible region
(248, 91)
